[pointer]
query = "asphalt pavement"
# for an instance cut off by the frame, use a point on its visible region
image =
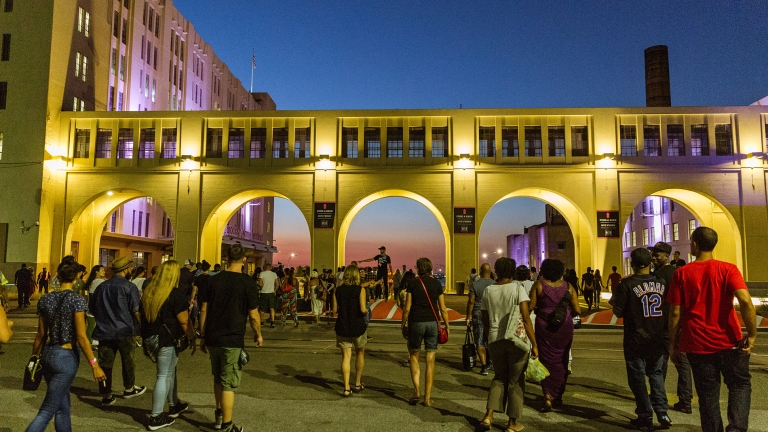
(293, 384)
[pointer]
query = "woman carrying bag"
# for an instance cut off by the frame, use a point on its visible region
(61, 326)
(510, 341)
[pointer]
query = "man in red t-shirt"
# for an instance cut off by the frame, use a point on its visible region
(613, 279)
(703, 324)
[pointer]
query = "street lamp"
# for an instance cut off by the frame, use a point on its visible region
(485, 256)
(292, 255)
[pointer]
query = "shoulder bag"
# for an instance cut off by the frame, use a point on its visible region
(515, 326)
(468, 351)
(33, 371)
(442, 334)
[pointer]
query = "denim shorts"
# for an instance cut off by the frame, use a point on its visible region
(426, 331)
(477, 329)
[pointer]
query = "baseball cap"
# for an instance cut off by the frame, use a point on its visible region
(189, 262)
(382, 247)
(640, 258)
(121, 263)
(661, 247)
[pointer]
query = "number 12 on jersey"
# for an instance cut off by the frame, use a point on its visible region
(651, 305)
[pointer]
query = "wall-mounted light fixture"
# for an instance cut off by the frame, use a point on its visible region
(608, 156)
(110, 193)
(25, 229)
(324, 157)
(187, 158)
(464, 156)
(756, 155)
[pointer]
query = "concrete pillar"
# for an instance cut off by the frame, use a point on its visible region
(324, 248)
(187, 226)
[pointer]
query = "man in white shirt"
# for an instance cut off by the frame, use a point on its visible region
(269, 283)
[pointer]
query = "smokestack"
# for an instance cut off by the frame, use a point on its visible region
(657, 92)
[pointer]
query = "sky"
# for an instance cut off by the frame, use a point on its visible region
(357, 54)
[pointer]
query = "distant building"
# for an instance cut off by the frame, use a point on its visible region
(552, 239)
(658, 219)
(252, 226)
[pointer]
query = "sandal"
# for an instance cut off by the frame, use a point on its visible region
(486, 423)
(414, 400)
(358, 388)
(427, 403)
(346, 393)
(547, 405)
(515, 428)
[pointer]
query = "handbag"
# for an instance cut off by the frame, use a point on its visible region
(33, 371)
(515, 326)
(181, 344)
(442, 334)
(468, 350)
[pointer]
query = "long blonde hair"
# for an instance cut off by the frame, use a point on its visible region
(157, 292)
(351, 275)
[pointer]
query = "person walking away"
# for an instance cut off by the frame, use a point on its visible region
(471, 279)
(200, 283)
(424, 296)
(61, 324)
(703, 324)
(164, 312)
(474, 314)
(508, 386)
(598, 288)
(613, 279)
(588, 287)
(351, 327)
(138, 277)
(397, 278)
(267, 298)
(42, 280)
(639, 299)
(554, 338)
(289, 292)
(95, 278)
(230, 300)
(317, 291)
(384, 266)
(664, 270)
(534, 274)
(116, 311)
(572, 279)
(23, 281)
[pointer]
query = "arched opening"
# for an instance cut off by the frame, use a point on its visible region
(401, 223)
(256, 219)
(563, 232)
(121, 223)
(670, 216)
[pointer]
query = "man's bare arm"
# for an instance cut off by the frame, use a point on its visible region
(748, 314)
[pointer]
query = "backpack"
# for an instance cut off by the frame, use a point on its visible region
(558, 316)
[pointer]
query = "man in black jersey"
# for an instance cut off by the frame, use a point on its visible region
(639, 299)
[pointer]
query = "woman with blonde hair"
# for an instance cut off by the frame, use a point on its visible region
(165, 312)
(351, 327)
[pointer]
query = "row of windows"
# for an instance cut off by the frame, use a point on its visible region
(510, 144)
(144, 85)
(81, 66)
(151, 53)
(258, 139)
(125, 141)
(675, 140)
(150, 19)
(671, 233)
(177, 49)
(372, 142)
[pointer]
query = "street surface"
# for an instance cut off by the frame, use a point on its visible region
(293, 384)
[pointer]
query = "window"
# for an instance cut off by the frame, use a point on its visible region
(645, 236)
(372, 142)
(5, 55)
(144, 14)
(147, 143)
(124, 35)
(154, 89)
(258, 143)
(125, 143)
(664, 205)
(280, 143)
(672, 205)
(82, 142)
(653, 236)
(675, 140)
(439, 142)
(627, 240)
(691, 226)
(103, 143)
(651, 140)
(85, 68)
(119, 101)
(3, 94)
(146, 226)
(82, 105)
(157, 25)
(699, 140)
(113, 221)
(634, 238)
(75, 104)
(667, 233)
(416, 142)
(628, 266)
(533, 141)
(675, 232)
(155, 58)
(115, 24)
(141, 219)
(169, 143)
(133, 223)
(78, 62)
(556, 141)
(394, 142)
(301, 143)
(122, 67)
(650, 208)
(579, 141)
(213, 143)
(151, 18)
(146, 85)
(1, 146)
(645, 210)
(236, 149)
(487, 141)
(723, 140)
(113, 65)
(87, 25)
(141, 51)
(149, 53)
(628, 140)
(349, 143)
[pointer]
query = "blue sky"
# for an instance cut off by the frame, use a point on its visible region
(493, 53)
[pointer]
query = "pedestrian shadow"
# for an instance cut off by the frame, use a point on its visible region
(12, 382)
(604, 387)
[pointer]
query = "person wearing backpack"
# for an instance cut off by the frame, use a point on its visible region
(588, 287)
(555, 302)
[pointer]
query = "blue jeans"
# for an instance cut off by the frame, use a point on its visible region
(734, 367)
(165, 386)
(652, 367)
(60, 370)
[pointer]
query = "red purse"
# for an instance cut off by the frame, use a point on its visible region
(442, 334)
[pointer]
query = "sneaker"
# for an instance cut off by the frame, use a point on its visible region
(108, 401)
(490, 366)
(159, 422)
(685, 409)
(219, 419)
(664, 421)
(484, 370)
(174, 411)
(643, 424)
(369, 337)
(233, 428)
(271, 325)
(135, 391)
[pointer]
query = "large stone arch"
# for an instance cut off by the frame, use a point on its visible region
(709, 212)
(577, 221)
(213, 227)
(390, 193)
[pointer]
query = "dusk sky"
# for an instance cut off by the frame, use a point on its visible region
(495, 53)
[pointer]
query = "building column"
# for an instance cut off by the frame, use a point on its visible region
(324, 249)
(464, 254)
(187, 226)
(755, 219)
(608, 250)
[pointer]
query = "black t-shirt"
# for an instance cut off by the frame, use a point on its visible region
(351, 322)
(384, 260)
(230, 296)
(420, 309)
(174, 305)
(185, 281)
(201, 282)
(665, 273)
(589, 281)
(642, 300)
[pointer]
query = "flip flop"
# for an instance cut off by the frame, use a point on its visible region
(346, 393)
(358, 389)
(413, 401)
(486, 424)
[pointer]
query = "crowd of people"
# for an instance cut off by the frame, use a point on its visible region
(671, 313)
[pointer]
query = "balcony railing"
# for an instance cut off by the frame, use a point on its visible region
(230, 231)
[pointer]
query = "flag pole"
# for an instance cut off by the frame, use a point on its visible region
(253, 67)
